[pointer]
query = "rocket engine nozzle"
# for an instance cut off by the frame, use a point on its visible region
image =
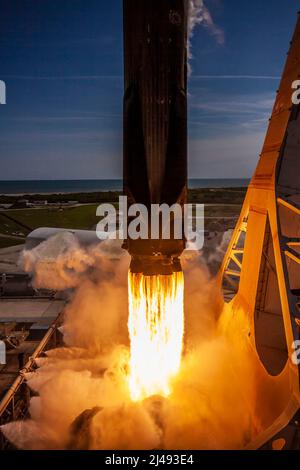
(153, 257)
(155, 265)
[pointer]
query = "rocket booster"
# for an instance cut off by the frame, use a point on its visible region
(155, 119)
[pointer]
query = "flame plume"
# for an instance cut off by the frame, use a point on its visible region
(156, 328)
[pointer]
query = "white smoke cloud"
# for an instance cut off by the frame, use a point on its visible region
(200, 15)
(61, 263)
(81, 391)
(217, 255)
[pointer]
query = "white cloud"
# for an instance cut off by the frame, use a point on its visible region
(200, 15)
(235, 77)
(230, 113)
(232, 156)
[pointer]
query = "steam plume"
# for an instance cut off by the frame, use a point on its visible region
(82, 396)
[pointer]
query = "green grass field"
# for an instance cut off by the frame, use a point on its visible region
(9, 227)
(81, 217)
(223, 210)
(219, 203)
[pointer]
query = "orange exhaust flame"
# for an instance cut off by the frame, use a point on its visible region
(156, 327)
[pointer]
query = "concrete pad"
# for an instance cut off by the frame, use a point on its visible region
(30, 310)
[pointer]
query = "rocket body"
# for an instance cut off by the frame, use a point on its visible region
(155, 118)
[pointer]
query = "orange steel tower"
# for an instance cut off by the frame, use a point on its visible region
(260, 275)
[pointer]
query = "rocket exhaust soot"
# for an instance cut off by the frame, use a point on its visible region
(155, 122)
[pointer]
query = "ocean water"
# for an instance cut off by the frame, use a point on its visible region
(77, 186)
(218, 183)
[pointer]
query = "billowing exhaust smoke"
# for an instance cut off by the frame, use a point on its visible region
(212, 400)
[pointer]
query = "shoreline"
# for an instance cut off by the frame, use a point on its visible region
(116, 191)
(221, 195)
(49, 187)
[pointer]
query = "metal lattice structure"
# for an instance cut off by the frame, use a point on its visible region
(261, 270)
(14, 405)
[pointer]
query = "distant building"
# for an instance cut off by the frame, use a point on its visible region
(39, 203)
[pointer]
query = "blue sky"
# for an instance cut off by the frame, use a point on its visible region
(62, 61)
